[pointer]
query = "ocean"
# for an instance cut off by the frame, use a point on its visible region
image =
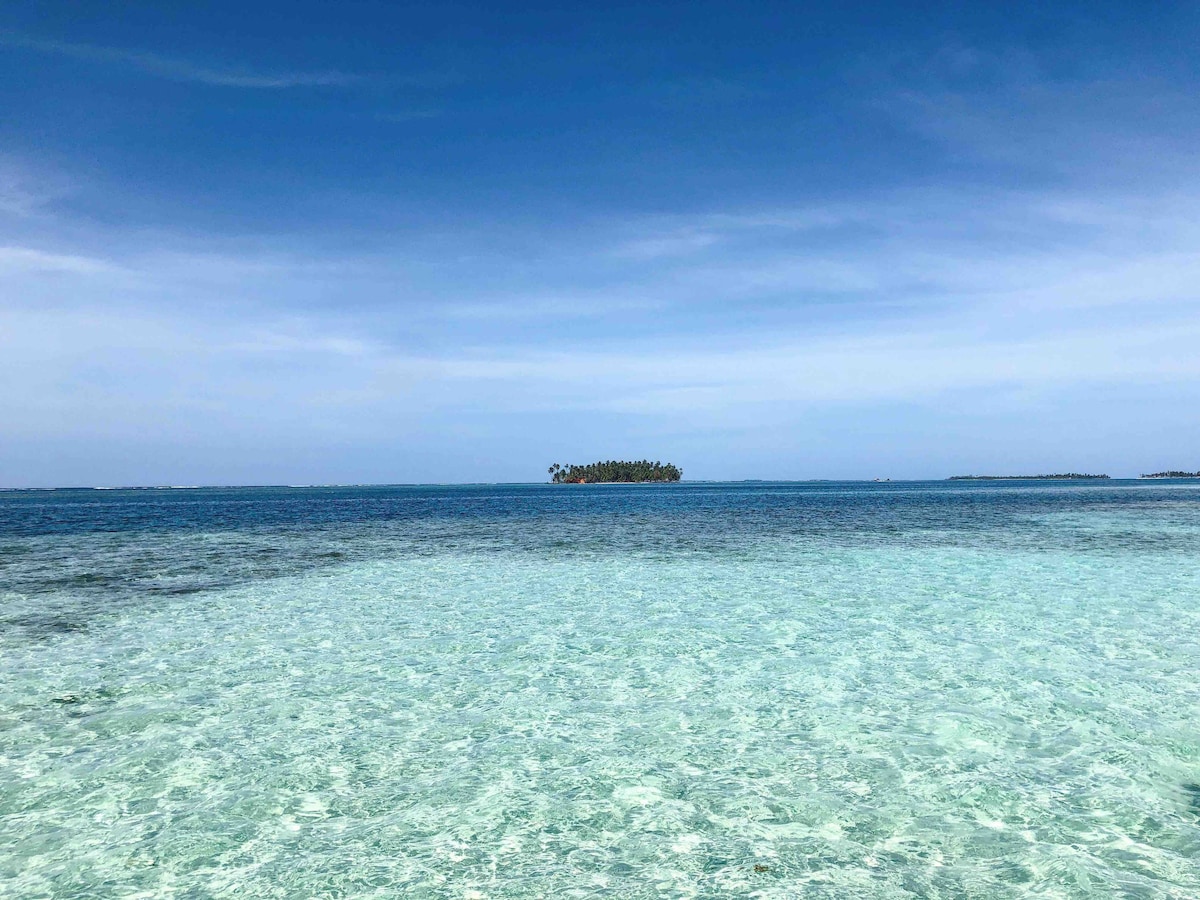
(843, 690)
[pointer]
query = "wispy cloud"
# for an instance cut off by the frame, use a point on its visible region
(182, 70)
(669, 244)
(26, 260)
(1109, 298)
(25, 193)
(1013, 109)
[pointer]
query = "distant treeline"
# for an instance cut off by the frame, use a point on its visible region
(1173, 474)
(614, 470)
(1063, 476)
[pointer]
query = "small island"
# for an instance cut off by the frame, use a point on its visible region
(614, 471)
(1172, 474)
(1068, 476)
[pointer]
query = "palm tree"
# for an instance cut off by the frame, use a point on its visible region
(615, 470)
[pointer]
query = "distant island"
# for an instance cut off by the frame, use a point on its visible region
(1067, 476)
(1172, 474)
(614, 471)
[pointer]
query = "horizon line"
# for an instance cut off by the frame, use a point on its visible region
(386, 484)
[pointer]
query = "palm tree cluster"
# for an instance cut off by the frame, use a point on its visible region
(614, 470)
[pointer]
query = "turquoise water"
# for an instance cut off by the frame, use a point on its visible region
(769, 691)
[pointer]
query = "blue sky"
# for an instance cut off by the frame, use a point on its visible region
(313, 243)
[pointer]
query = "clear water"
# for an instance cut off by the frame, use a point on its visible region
(761, 690)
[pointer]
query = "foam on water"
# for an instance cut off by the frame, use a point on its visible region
(928, 711)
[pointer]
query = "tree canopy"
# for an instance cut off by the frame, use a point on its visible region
(614, 470)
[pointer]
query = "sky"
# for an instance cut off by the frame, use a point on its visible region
(379, 243)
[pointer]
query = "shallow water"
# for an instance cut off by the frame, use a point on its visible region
(755, 690)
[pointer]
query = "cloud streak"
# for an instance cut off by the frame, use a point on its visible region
(24, 260)
(182, 70)
(928, 306)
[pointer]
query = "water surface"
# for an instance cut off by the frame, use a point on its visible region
(755, 690)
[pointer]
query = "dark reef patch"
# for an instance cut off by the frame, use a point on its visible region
(1192, 790)
(45, 626)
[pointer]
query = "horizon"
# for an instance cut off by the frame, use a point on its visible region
(306, 245)
(387, 484)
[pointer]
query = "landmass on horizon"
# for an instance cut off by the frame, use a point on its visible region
(1067, 476)
(1173, 473)
(614, 471)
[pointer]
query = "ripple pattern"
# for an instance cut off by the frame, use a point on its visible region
(486, 706)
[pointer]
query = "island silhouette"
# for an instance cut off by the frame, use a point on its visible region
(614, 471)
